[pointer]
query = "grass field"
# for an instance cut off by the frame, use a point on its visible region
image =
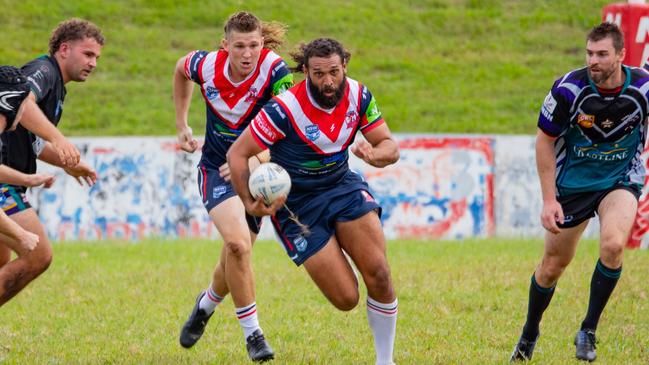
(459, 303)
(437, 66)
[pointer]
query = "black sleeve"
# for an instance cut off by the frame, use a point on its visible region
(41, 77)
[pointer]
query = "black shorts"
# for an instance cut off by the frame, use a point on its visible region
(582, 206)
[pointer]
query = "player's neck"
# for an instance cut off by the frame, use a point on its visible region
(236, 76)
(615, 81)
(64, 75)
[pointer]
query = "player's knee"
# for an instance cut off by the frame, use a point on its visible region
(346, 301)
(237, 248)
(612, 251)
(550, 272)
(379, 278)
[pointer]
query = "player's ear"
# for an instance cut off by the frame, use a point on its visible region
(64, 49)
(305, 70)
(224, 43)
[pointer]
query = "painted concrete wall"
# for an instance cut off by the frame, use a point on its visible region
(441, 188)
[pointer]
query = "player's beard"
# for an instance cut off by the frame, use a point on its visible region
(602, 76)
(327, 102)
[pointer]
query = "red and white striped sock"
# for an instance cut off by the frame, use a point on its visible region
(210, 300)
(248, 319)
(383, 322)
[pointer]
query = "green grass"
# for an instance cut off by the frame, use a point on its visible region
(459, 303)
(441, 66)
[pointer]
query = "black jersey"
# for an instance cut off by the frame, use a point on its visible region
(46, 82)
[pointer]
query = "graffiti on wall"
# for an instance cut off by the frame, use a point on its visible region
(517, 190)
(441, 188)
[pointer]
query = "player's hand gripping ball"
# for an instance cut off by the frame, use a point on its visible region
(269, 181)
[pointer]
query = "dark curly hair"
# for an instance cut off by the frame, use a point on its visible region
(321, 47)
(607, 29)
(72, 30)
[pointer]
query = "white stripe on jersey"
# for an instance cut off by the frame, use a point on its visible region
(264, 130)
(240, 109)
(302, 120)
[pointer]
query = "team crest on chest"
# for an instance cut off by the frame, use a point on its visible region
(586, 120)
(351, 119)
(252, 95)
(312, 132)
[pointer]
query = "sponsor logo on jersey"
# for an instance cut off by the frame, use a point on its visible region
(586, 120)
(312, 132)
(351, 119)
(607, 123)
(300, 243)
(211, 92)
(617, 154)
(549, 104)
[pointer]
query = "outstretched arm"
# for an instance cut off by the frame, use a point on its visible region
(15, 177)
(82, 172)
(36, 122)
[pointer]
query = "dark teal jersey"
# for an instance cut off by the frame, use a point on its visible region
(601, 133)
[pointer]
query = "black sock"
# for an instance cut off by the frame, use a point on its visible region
(539, 300)
(601, 287)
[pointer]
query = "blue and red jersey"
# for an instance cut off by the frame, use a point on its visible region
(311, 142)
(230, 106)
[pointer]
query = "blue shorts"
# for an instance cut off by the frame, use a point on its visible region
(214, 190)
(13, 199)
(320, 211)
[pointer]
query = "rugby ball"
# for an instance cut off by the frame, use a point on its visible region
(269, 181)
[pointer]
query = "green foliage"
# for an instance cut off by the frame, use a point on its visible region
(459, 303)
(438, 66)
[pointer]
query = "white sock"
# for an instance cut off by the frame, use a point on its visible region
(210, 300)
(248, 319)
(383, 321)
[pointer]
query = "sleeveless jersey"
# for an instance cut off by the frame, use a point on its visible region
(601, 135)
(310, 142)
(230, 106)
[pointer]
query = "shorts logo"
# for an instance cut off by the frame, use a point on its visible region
(218, 191)
(312, 132)
(300, 243)
(211, 92)
(568, 218)
(586, 120)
